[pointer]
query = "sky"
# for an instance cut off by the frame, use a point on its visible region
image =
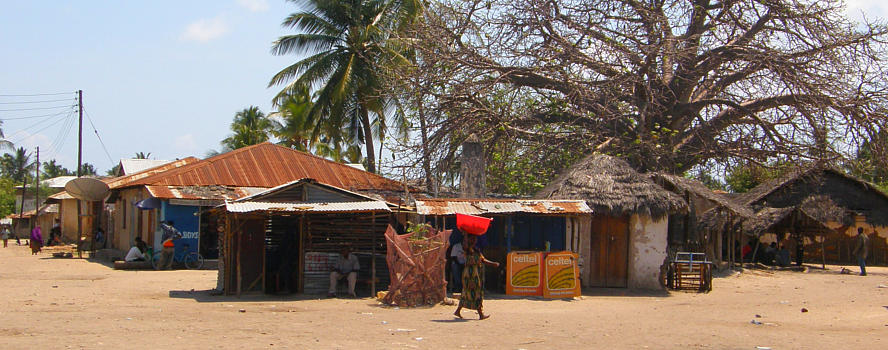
(161, 77)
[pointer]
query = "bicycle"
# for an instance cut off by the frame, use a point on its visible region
(192, 260)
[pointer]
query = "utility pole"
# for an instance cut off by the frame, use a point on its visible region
(37, 188)
(79, 166)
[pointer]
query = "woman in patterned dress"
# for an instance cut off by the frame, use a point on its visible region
(472, 295)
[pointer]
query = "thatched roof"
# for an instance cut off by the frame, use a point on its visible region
(699, 189)
(763, 190)
(824, 209)
(610, 186)
(765, 219)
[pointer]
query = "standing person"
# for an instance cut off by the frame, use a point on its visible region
(55, 233)
(860, 250)
(5, 234)
(458, 262)
(36, 240)
(472, 296)
(170, 234)
(346, 267)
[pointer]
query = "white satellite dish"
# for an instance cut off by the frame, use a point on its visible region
(87, 189)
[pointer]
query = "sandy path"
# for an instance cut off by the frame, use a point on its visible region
(71, 303)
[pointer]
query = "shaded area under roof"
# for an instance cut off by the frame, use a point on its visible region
(500, 206)
(610, 186)
(339, 207)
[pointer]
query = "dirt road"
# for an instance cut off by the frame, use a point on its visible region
(71, 303)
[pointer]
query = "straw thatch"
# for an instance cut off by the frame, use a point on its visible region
(765, 219)
(610, 186)
(824, 209)
(697, 188)
(844, 191)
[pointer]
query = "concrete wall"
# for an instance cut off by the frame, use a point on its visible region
(647, 251)
(126, 219)
(68, 216)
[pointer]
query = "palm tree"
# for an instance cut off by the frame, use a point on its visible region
(142, 155)
(17, 167)
(4, 143)
(351, 46)
(52, 169)
(291, 123)
(250, 127)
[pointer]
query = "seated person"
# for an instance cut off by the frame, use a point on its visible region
(137, 252)
(347, 267)
(783, 258)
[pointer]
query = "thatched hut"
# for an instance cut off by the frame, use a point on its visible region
(629, 223)
(685, 231)
(821, 197)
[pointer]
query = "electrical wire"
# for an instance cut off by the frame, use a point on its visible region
(36, 124)
(39, 130)
(26, 102)
(35, 116)
(98, 137)
(33, 109)
(46, 94)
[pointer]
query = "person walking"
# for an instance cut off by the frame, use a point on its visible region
(5, 234)
(170, 234)
(860, 250)
(472, 296)
(36, 242)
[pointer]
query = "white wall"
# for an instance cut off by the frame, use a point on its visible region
(647, 251)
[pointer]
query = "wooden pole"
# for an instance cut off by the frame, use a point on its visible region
(823, 251)
(79, 168)
(240, 243)
(264, 256)
(373, 257)
(301, 283)
(36, 189)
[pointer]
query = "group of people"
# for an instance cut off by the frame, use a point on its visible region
(768, 254)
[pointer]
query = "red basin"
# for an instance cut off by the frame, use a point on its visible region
(473, 225)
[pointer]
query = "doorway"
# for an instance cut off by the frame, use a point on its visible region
(610, 251)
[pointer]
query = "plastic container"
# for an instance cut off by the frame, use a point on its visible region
(473, 225)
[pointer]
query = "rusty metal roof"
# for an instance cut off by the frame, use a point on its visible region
(267, 165)
(500, 206)
(202, 192)
(127, 180)
(339, 207)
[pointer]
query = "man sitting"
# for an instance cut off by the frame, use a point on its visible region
(347, 267)
(137, 252)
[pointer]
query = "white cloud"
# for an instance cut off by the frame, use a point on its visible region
(254, 5)
(206, 29)
(185, 143)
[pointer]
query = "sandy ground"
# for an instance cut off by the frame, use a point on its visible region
(73, 303)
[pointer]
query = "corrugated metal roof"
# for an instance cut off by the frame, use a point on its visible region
(126, 180)
(297, 183)
(500, 206)
(344, 207)
(202, 192)
(267, 165)
(132, 166)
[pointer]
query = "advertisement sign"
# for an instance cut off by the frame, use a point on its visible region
(523, 272)
(561, 275)
(187, 222)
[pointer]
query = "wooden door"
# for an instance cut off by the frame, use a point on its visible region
(610, 251)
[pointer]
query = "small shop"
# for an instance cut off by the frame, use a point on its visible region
(519, 226)
(285, 240)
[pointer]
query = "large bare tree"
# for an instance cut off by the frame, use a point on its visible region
(669, 85)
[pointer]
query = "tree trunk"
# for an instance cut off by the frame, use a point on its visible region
(368, 140)
(426, 162)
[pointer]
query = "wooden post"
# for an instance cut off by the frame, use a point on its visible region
(239, 272)
(373, 257)
(264, 254)
(823, 251)
(301, 282)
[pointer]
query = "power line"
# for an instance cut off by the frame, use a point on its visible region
(64, 131)
(28, 95)
(25, 102)
(33, 109)
(36, 116)
(39, 130)
(99, 137)
(36, 124)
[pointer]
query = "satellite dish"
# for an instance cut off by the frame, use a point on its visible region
(88, 189)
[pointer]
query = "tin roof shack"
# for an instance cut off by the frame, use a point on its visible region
(685, 232)
(627, 233)
(836, 200)
(518, 224)
(183, 194)
(287, 239)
